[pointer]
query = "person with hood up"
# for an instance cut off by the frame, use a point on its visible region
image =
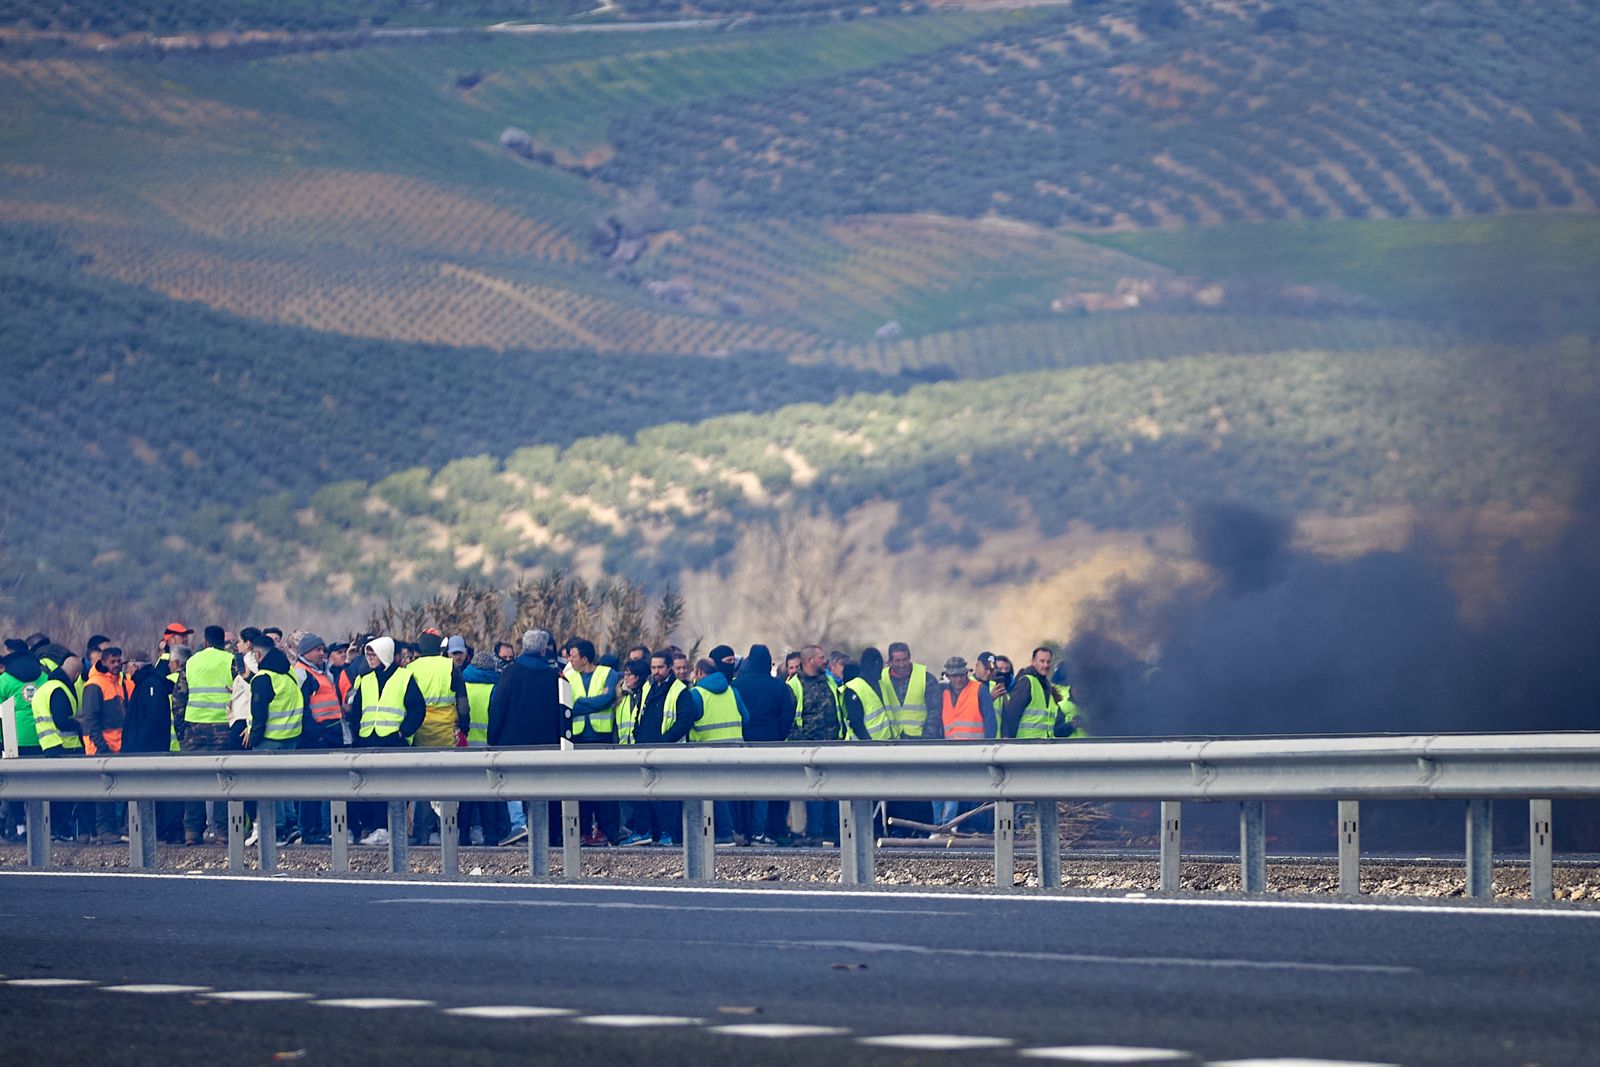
(715, 715)
(481, 820)
(770, 704)
(385, 709)
(531, 705)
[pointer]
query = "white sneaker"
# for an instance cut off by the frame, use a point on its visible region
(380, 836)
(255, 836)
(475, 835)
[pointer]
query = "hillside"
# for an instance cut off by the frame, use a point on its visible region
(1159, 113)
(361, 315)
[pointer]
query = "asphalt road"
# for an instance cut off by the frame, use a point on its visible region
(1212, 980)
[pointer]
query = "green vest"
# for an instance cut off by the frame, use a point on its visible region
(1069, 714)
(669, 707)
(44, 723)
(478, 713)
(798, 689)
(22, 693)
(627, 709)
(602, 721)
(435, 677)
(909, 717)
(719, 717)
(283, 714)
(382, 712)
(209, 673)
(875, 715)
(1039, 717)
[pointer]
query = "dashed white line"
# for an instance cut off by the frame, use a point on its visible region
(1294, 1062)
(637, 1020)
(935, 1042)
(509, 1011)
(251, 996)
(47, 983)
(156, 987)
(778, 1030)
(372, 1003)
(1106, 1054)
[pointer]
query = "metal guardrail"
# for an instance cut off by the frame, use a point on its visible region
(1474, 768)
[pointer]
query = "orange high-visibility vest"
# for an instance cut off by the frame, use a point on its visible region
(962, 719)
(111, 688)
(325, 704)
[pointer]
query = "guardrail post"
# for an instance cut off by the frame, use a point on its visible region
(1541, 875)
(267, 834)
(1171, 845)
(1048, 830)
(856, 843)
(399, 838)
(1480, 849)
(538, 838)
(142, 835)
(1350, 847)
(236, 836)
(1005, 844)
(1253, 846)
(699, 840)
(38, 833)
(339, 835)
(450, 838)
(571, 840)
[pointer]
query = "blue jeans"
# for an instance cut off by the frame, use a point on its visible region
(822, 819)
(283, 810)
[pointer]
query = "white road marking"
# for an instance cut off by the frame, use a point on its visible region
(156, 987)
(47, 983)
(935, 1042)
(952, 897)
(246, 996)
(1106, 1054)
(373, 1003)
(1294, 1062)
(778, 1030)
(508, 1011)
(637, 1020)
(629, 906)
(1082, 957)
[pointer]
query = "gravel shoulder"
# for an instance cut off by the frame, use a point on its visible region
(1577, 884)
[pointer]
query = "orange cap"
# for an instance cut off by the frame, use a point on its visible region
(177, 629)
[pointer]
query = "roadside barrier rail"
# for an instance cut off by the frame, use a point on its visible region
(1475, 768)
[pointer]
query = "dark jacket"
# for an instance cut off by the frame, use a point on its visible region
(525, 707)
(1017, 700)
(769, 702)
(652, 713)
(691, 707)
(149, 723)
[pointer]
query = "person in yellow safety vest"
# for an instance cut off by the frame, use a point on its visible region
(1034, 703)
(55, 707)
(174, 635)
(55, 710)
(637, 816)
(817, 714)
(385, 711)
(594, 722)
(714, 713)
(910, 693)
(864, 709)
(1069, 724)
(208, 683)
(663, 701)
(483, 821)
(445, 720)
(277, 712)
(983, 673)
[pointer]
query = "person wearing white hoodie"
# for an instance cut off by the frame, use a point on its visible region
(385, 709)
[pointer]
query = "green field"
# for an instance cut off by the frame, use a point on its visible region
(732, 273)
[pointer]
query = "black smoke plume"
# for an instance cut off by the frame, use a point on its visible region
(1284, 642)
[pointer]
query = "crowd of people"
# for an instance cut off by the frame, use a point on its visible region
(263, 691)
